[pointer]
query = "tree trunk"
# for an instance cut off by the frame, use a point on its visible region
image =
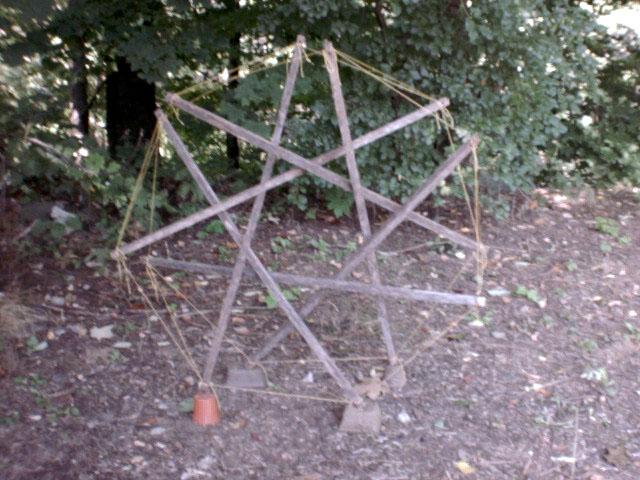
(131, 102)
(79, 99)
(233, 147)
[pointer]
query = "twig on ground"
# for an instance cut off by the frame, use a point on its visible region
(575, 444)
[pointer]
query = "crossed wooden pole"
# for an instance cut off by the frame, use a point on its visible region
(365, 253)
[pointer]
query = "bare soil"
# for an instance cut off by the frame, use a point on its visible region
(544, 384)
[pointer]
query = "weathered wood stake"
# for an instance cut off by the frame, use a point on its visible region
(426, 296)
(331, 62)
(241, 260)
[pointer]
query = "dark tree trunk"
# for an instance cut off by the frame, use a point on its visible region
(79, 99)
(233, 147)
(131, 102)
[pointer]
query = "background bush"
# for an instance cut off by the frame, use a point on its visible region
(552, 93)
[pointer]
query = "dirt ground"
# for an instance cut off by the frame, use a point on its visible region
(542, 385)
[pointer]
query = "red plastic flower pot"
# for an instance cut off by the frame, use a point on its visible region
(206, 410)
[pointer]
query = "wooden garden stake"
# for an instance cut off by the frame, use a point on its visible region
(426, 296)
(363, 217)
(241, 260)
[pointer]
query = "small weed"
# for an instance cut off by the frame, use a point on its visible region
(607, 226)
(321, 247)
(633, 332)
(290, 294)
(462, 402)
(571, 265)
(213, 227)
(624, 240)
(280, 245)
(224, 254)
(32, 344)
(476, 320)
(33, 384)
(610, 227)
(10, 419)
(311, 214)
(588, 345)
(127, 328)
(605, 247)
(115, 356)
(599, 375)
(347, 250)
(130, 327)
(530, 294)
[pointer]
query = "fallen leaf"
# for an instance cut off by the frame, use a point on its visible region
(373, 387)
(148, 422)
(404, 417)
(186, 405)
(239, 424)
(423, 257)
(616, 456)
(498, 292)
(464, 467)
(101, 333)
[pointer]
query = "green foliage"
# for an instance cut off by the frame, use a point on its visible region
(530, 294)
(321, 247)
(214, 227)
(608, 226)
(290, 294)
(224, 254)
(339, 202)
(280, 244)
(602, 138)
(33, 384)
(553, 94)
(633, 332)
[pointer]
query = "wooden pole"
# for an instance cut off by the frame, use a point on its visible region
(241, 260)
(331, 62)
(401, 293)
